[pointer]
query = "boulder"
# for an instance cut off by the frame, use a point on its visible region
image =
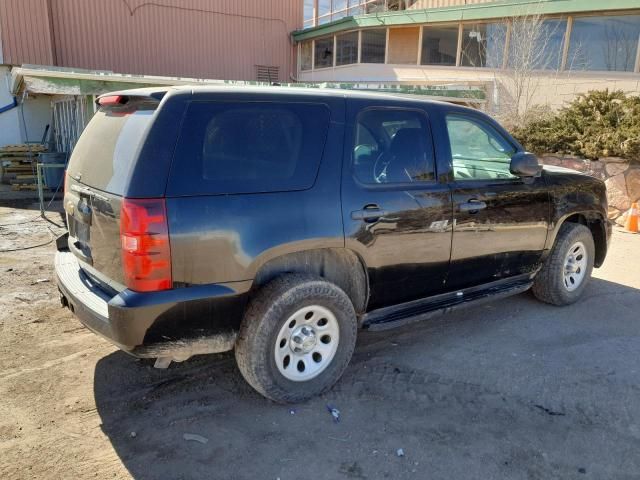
(633, 184)
(614, 169)
(597, 169)
(577, 164)
(617, 192)
(613, 160)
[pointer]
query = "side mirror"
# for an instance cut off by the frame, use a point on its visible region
(525, 164)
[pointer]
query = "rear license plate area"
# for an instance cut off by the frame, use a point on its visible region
(79, 230)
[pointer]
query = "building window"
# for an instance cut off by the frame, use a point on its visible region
(374, 6)
(354, 8)
(483, 45)
(324, 11)
(324, 7)
(339, 8)
(604, 43)
(324, 52)
(374, 43)
(347, 48)
(536, 44)
(403, 45)
(308, 13)
(439, 45)
(305, 55)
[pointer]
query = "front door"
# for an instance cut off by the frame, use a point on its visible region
(500, 220)
(397, 215)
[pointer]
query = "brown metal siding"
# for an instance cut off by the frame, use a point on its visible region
(188, 38)
(26, 37)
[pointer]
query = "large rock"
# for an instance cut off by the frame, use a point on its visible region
(614, 169)
(613, 160)
(597, 169)
(578, 164)
(617, 192)
(633, 184)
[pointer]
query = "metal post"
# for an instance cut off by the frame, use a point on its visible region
(40, 188)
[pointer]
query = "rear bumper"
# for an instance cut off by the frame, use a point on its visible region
(174, 323)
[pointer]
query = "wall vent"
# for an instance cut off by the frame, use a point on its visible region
(265, 73)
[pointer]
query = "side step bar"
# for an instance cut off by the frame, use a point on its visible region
(423, 309)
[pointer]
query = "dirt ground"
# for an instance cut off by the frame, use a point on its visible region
(515, 390)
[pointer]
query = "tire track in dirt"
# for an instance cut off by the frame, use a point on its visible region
(386, 381)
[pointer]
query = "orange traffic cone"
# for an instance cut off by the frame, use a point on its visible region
(631, 224)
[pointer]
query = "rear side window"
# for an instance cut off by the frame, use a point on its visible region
(248, 147)
(107, 149)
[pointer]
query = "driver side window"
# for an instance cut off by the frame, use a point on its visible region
(477, 151)
(392, 146)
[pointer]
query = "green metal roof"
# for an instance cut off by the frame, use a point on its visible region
(481, 11)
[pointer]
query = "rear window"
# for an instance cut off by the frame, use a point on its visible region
(248, 147)
(105, 153)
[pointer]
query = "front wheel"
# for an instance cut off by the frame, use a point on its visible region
(296, 338)
(567, 270)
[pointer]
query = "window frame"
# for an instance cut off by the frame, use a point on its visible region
(487, 126)
(418, 185)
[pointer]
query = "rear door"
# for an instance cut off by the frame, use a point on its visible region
(99, 172)
(396, 214)
(500, 220)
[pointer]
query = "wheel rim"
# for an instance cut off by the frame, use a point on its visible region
(307, 343)
(575, 266)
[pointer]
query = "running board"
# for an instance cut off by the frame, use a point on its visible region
(423, 309)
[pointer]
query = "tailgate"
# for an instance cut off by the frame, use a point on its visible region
(93, 219)
(97, 179)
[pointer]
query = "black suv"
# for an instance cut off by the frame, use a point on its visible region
(278, 221)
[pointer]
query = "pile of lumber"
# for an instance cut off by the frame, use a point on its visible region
(18, 165)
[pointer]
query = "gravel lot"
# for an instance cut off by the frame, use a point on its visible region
(515, 389)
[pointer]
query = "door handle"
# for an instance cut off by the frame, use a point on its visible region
(472, 206)
(370, 213)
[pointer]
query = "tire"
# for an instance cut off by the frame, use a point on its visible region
(550, 284)
(275, 316)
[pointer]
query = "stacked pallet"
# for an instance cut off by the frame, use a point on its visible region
(18, 164)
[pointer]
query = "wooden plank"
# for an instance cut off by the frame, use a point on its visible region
(35, 148)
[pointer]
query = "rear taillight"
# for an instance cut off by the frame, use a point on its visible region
(144, 236)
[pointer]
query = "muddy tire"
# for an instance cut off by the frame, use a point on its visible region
(296, 338)
(567, 269)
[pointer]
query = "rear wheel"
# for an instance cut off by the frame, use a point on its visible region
(567, 270)
(296, 338)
